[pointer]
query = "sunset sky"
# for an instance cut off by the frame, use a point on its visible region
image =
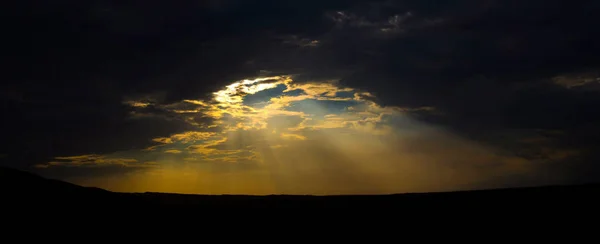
(303, 97)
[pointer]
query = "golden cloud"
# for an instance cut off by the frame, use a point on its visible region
(311, 138)
(228, 113)
(185, 137)
(292, 136)
(137, 104)
(93, 160)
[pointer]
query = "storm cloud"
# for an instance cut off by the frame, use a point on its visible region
(511, 82)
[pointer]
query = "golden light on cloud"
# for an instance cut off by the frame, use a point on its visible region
(234, 93)
(292, 136)
(272, 135)
(93, 160)
(137, 104)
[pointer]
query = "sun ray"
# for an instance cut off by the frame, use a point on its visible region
(293, 138)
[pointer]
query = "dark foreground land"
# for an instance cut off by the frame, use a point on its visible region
(20, 189)
(51, 209)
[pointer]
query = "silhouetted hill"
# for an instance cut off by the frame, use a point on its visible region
(20, 187)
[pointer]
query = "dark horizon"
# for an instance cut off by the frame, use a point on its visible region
(19, 182)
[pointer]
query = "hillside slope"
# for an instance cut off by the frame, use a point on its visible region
(18, 187)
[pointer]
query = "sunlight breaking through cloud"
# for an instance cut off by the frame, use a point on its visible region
(274, 135)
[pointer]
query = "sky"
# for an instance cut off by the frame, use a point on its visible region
(302, 97)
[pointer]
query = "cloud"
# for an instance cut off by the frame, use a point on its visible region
(191, 136)
(95, 161)
(579, 80)
(392, 24)
(488, 74)
(301, 42)
(337, 137)
(292, 136)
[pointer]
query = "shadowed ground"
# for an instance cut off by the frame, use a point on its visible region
(20, 187)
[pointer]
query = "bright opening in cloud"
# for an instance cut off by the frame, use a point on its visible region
(272, 135)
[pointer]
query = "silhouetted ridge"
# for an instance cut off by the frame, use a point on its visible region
(20, 187)
(24, 187)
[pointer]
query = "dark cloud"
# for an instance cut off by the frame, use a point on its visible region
(489, 67)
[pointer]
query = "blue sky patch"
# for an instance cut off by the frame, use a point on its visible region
(296, 92)
(345, 94)
(320, 108)
(262, 97)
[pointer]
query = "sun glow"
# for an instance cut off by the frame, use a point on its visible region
(273, 135)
